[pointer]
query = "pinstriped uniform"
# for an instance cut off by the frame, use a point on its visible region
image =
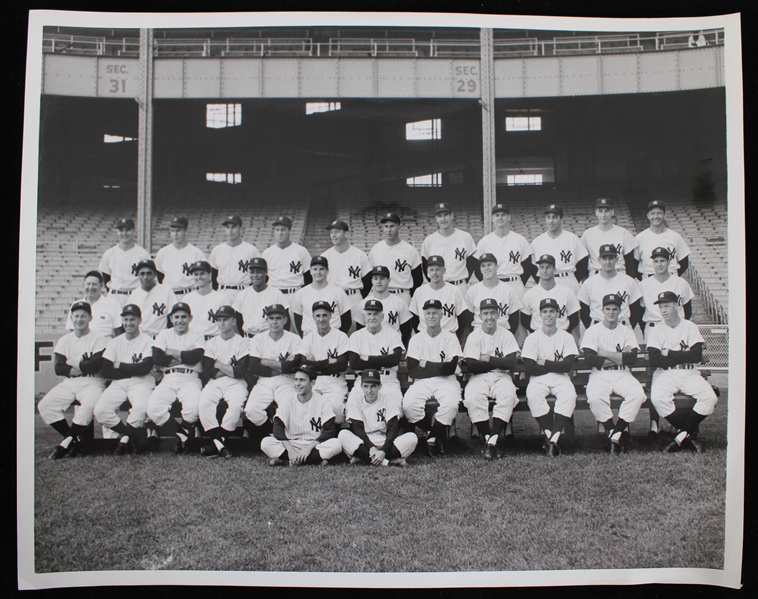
(232, 390)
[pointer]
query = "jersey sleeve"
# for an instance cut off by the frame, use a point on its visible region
(583, 295)
(353, 409)
(635, 292)
(254, 350)
(514, 303)
(404, 312)
(693, 334)
(682, 249)
(453, 345)
(415, 258)
(296, 304)
(210, 348)
(305, 348)
(425, 248)
(572, 303)
(526, 302)
(460, 303)
(629, 242)
(655, 338)
(629, 338)
(569, 345)
(470, 245)
(472, 348)
(396, 340)
(161, 340)
(343, 304)
(510, 345)
(530, 348)
(413, 306)
(414, 347)
(686, 295)
(581, 251)
(589, 339)
(306, 259)
(105, 265)
(343, 345)
(213, 258)
(110, 350)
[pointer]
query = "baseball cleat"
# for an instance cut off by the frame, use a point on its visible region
(616, 448)
(398, 462)
(490, 451)
(432, 449)
(75, 449)
(553, 450)
(277, 462)
(695, 444)
(224, 453)
(600, 428)
(122, 448)
(209, 451)
(178, 446)
(59, 452)
(355, 460)
(324, 463)
(672, 447)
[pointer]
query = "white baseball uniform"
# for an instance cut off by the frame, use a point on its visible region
(454, 249)
(596, 287)
(232, 390)
(106, 316)
(497, 384)
(382, 343)
(269, 388)
(175, 265)
(567, 302)
(155, 305)
(445, 389)
(648, 241)
(122, 267)
(333, 387)
(401, 259)
(346, 270)
(231, 262)
(252, 305)
(135, 389)
(204, 308)
(395, 312)
(685, 379)
(567, 249)
(611, 378)
(507, 300)
(180, 381)
(453, 304)
(651, 287)
(85, 388)
(287, 266)
(510, 250)
(617, 236)
(302, 303)
(539, 346)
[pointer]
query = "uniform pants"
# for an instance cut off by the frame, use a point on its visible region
(264, 393)
(603, 383)
(233, 392)
(668, 382)
(391, 388)
(445, 389)
(273, 447)
(136, 389)
(177, 385)
(405, 443)
(481, 387)
(334, 391)
(552, 383)
(84, 389)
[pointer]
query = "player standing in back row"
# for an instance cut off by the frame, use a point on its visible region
(288, 262)
(231, 258)
(400, 257)
(119, 263)
(349, 267)
(570, 255)
(456, 247)
(659, 235)
(607, 232)
(174, 260)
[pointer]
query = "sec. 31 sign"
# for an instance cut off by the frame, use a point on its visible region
(117, 78)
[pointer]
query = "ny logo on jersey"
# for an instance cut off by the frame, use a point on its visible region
(232, 361)
(283, 357)
(86, 356)
(332, 353)
(316, 424)
(381, 415)
(135, 272)
(401, 266)
(558, 355)
(211, 316)
(186, 269)
(672, 252)
(159, 310)
(333, 306)
(683, 346)
(619, 349)
(385, 351)
(242, 265)
(392, 317)
(460, 254)
(514, 257)
(623, 295)
(443, 355)
(566, 256)
(295, 267)
(498, 353)
(502, 309)
(354, 271)
(562, 312)
(618, 249)
(136, 358)
(448, 309)
(264, 314)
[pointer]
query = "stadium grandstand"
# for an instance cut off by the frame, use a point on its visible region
(324, 123)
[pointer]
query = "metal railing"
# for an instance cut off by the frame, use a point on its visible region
(715, 308)
(343, 46)
(73, 44)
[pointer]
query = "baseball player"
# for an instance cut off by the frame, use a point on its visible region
(432, 359)
(350, 269)
(106, 312)
(178, 353)
(378, 347)
(326, 350)
(251, 302)
(400, 257)
(225, 363)
(549, 355)
(287, 261)
(492, 287)
(320, 290)
(204, 301)
(127, 363)
(568, 305)
(661, 281)
(396, 313)
(511, 250)
(490, 351)
(659, 235)
(119, 263)
(374, 434)
(79, 357)
(610, 350)
(565, 247)
(606, 232)
(273, 359)
(173, 261)
(456, 248)
(304, 430)
(675, 347)
(609, 281)
(229, 260)
(456, 316)
(155, 300)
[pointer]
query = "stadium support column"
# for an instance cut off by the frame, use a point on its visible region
(145, 154)
(487, 101)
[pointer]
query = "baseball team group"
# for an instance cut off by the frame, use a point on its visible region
(269, 337)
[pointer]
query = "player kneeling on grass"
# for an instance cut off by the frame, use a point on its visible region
(224, 366)
(127, 362)
(179, 352)
(432, 359)
(79, 357)
(490, 351)
(675, 347)
(611, 349)
(549, 355)
(374, 427)
(304, 430)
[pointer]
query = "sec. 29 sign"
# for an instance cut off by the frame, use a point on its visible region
(466, 79)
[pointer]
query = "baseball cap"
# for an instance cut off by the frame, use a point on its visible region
(487, 257)
(549, 302)
(382, 271)
(181, 307)
(442, 207)
(283, 221)
(232, 220)
(546, 258)
(667, 296)
(370, 376)
(275, 309)
(224, 312)
(257, 263)
(309, 370)
(96, 274)
(612, 298)
(338, 224)
(373, 305)
(321, 305)
(200, 265)
(81, 306)
(132, 309)
(555, 209)
(392, 217)
(656, 204)
(660, 252)
(488, 303)
(438, 260)
(603, 203)
(124, 223)
(146, 264)
(607, 250)
(178, 222)
(500, 208)
(432, 303)
(320, 260)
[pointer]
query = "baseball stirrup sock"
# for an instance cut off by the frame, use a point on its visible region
(314, 457)
(362, 453)
(691, 421)
(608, 426)
(678, 417)
(392, 453)
(483, 427)
(561, 421)
(438, 431)
(77, 429)
(621, 426)
(555, 437)
(119, 428)
(492, 440)
(62, 427)
(545, 422)
(498, 426)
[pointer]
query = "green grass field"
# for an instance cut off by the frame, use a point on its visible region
(582, 510)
